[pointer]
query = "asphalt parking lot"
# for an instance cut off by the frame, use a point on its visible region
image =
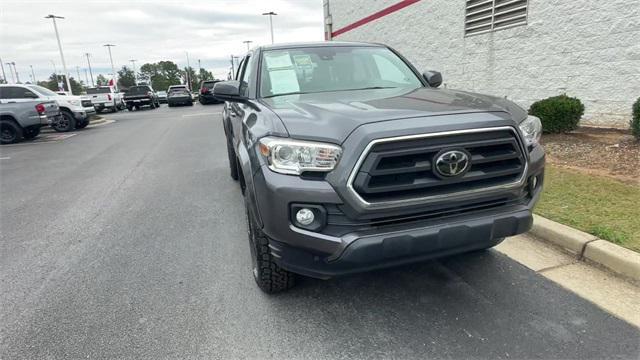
(128, 240)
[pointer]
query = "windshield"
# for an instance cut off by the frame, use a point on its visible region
(42, 90)
(321, 69)
(138, 90)
(98, 91)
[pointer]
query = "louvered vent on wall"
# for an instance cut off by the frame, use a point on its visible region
(487, 15)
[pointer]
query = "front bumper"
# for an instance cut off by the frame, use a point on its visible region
(83, 113)
(338, 250)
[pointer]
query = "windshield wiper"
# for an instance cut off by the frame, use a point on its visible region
(284, 94)
(369, 88)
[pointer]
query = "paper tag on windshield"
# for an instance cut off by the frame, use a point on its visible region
(280, 60)
(284, 81)
(303, 61)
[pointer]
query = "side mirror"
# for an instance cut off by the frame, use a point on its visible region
(434, 78)
(228, 91)
(29, 95)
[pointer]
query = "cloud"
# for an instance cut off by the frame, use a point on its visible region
(148, 31)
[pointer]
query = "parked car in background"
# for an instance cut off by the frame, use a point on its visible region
(179, 95)
(141, 95)
(373, 166)
(206, 92)
(75, 110)
(162, 96)
(105, 98)
(23, 120)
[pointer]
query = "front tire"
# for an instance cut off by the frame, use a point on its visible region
(233, 164)
(269, 276)
(82, 124)
(66, 123)
(10, 132)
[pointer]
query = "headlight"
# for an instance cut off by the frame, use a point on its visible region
(531, 128)
(74, 102)
(288, 156)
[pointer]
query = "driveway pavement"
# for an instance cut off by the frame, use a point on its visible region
(129, 241)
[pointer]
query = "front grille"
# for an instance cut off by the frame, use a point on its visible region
(403, 169)
(86, 103)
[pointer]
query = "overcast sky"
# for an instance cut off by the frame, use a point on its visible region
(149, 31)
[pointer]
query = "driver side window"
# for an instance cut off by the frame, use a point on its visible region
(246, 76)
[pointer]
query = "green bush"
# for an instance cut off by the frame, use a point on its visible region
(635, 120)
(558, 113)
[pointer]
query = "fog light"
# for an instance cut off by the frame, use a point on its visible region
(305, 216)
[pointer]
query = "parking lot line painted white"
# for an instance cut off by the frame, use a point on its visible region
(5, 158)
(200, 114)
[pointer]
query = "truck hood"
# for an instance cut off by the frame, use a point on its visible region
(332, 116)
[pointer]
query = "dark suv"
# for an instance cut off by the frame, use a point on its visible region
(350, 160)
(206, 96)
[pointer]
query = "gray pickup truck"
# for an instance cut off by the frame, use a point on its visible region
(351, 160)
(23, 120)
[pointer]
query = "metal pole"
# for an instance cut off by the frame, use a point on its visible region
(113, 69)
(271, 14)
(90, 72)
(64, 64)
(188, 71)
(249, 42)
(233, 68)
(135, 76)
(4, 76)
(16, 71)
(86, 78)
(13, 78)
(33, 74)
(78, 72)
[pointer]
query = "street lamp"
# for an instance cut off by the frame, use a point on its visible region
(15, 71)
(188, 70)
(33, 75)
(271, 14)
(249, 42)
(4, 76)
(90, 72)
(64, 65)
(113, 69)
(13, 78)
(135, 77)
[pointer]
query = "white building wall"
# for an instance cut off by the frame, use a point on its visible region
(589, 49)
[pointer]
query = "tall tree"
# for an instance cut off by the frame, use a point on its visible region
(126, 78)
(101, 80)
(162, 74)
(53, 81)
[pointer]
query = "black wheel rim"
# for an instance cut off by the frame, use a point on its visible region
(63, 123)
(8, 133)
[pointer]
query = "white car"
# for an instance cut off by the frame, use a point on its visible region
(105, 97)
(75, 110)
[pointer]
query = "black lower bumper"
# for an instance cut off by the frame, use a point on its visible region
(392, 248)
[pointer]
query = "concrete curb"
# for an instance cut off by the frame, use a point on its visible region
(588, 247)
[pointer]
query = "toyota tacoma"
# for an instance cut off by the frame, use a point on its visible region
(351, 160)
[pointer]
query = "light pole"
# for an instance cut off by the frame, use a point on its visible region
(78, 72)
(13, 78)
(33, 75)
(249, 42)
(86, 77)
(15, 71)
(64, 65)
(135, 76)
(4, 76)
(113, 69)
(271, 14)
(188, 70)
(90, 72)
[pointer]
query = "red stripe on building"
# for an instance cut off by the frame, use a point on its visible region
(384, 12)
